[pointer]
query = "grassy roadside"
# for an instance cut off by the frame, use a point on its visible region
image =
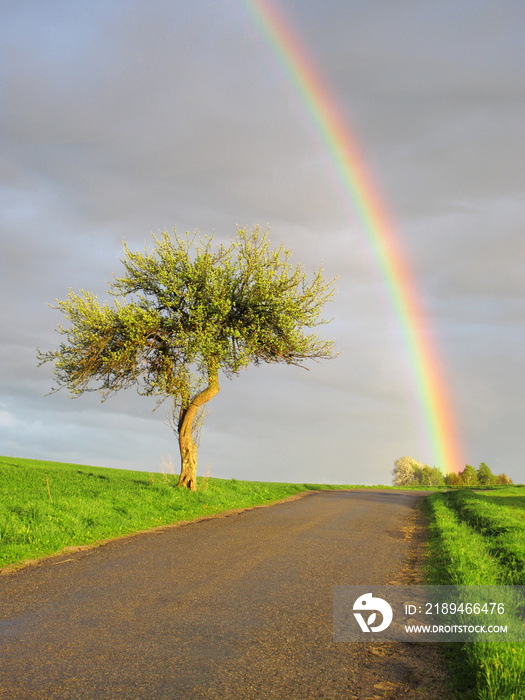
(48, 506)
(479, 539)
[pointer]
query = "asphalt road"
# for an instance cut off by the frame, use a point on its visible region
(236, 607)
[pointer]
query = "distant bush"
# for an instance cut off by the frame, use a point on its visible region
(410, 472)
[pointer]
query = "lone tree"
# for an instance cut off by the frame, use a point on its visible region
(182, 313)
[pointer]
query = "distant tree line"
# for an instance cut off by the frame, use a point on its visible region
(410, 472)
(482, 476)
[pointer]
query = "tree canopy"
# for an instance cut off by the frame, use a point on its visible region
(471, 477)
(410, 472)
(485, 476)
(182, 313)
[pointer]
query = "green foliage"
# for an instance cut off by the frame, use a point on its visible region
(183, 313)
(186, 310)
(409, 472)
(468, 476)
(485, 476)
(452, 479)
(481, 477)
(479, 539)
(405, 470)
(429, 476)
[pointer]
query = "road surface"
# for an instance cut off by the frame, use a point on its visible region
(235, 608)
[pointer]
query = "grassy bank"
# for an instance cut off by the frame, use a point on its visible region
(479, 539)
(47, 506)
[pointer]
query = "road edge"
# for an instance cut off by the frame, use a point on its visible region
(25, 564)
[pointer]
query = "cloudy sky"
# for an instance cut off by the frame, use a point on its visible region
(123, 119)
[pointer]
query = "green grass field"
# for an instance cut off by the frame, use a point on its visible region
(478, 538)
(48, 506)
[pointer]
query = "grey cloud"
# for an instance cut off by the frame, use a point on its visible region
(129, 118)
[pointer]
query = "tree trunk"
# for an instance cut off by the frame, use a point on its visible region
(187, 446)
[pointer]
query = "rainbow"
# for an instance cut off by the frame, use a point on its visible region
(428, 376)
